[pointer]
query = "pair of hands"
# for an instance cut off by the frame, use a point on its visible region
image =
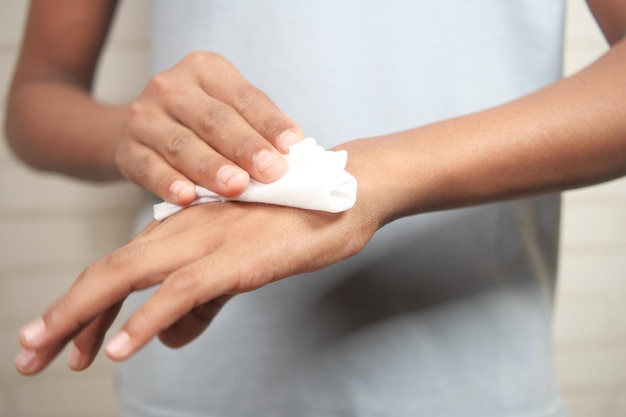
(199, 122)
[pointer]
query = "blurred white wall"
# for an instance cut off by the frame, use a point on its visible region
(590, 330)
(52, 227)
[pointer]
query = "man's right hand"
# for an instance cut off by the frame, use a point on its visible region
(202, 122)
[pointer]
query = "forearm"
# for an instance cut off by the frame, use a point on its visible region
(568, 135)
(52, 122)
(56, 126)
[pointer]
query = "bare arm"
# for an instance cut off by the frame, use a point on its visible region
(222, 132)
(567, 135)
(610, 15)
(52, 122)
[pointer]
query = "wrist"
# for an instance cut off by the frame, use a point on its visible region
(101, 162)
(382, 195)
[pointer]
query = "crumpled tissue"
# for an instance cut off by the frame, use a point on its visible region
(315, 179)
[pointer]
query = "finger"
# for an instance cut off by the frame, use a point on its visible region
(135, 266)
(190, 155)
(88, 342)
(192, 324)
(145, 167)
(224, 82)
(226, 131)
(30, 362)
(262, 114)
(181, 292)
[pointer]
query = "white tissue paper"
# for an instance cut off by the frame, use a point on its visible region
(315, 179)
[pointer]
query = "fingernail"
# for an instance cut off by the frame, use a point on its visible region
(119, 345)
(228, 172)
(33, 331)
(182, 189)
(25, 359)
(286, 139)
(74, 358)
(265, 159)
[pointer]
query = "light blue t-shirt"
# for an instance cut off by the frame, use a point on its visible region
(442, 315)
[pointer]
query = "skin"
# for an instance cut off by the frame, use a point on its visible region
(567, 135)
(200, 121)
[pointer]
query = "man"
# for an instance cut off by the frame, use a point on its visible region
(440, 314)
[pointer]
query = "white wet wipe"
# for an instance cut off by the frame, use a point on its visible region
(315, 179)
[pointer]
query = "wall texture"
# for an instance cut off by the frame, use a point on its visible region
(51, 227)
(590, 331)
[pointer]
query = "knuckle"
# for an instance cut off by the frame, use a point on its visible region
(189, 286)
(242, 150)
(250, 99)
(183, 284)
(215, 118)
(118, 261)
(185, 289)
(136, 110)
(160, 83)
(139, 115)
(121, 261)
(249, 277)
(177, 143)
(142, 319)
(202, 58)
(205, 168)
(274, 126)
